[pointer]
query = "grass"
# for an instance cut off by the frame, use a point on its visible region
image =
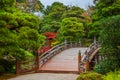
(7, 76)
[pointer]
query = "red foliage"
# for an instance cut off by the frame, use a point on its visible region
(50, 35)
(44, 49)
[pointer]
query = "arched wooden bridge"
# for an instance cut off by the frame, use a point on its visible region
(67, 57)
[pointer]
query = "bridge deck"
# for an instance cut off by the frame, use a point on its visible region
(66, 61)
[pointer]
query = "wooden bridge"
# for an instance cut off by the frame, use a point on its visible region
(67, 57)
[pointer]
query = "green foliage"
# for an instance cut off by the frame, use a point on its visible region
(106, 20)
(13, 32)
(29, 7)
(108, 7)
(2, 23)
(2, 70)
(55, 10)
(110, 35)
(112, 76)
(19, 36)
(110, 39)
(26, 55)
(96, 76)
(106, 66)
(86, 42)
(52, 18)
(73, 11)
(30, 39)
(54, 14)
(49, 25)
(90, 76)
(71, 29)
(4, 3)
(8, 42)
(7, 65)
(104, 9)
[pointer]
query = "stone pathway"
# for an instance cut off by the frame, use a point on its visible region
(46, 76)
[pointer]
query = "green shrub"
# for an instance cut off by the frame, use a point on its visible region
(2, 23)
(105, 66)
(86, 42)
(2, 70)
(13, 22)
(112, 76)
(6, 3)
(90, 76)
(7, 65)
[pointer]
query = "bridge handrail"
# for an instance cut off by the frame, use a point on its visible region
(89, 50)
(64, 43)
(50, 53)
(88, 55)
(51, 49)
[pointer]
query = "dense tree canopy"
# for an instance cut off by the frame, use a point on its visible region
(106, 21)
(26, 6)
(71, 29)
(56, 13)
(18, 31)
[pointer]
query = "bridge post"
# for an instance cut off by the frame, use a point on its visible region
(37, 62)
(17, 66)
(79, 60)
(87, 65)
(95, 41)
(65, 43)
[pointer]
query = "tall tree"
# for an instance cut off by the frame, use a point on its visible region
(29, 5)
(72, 29)
(17, 27)
(55, 13)
(52, 17)
(106, 21)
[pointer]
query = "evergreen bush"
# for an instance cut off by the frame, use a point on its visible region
(112, 76)
(90, 76)
(105, 66)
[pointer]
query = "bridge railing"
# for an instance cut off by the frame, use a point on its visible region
(25, 66)
(34, 64)
(86, 57)
(55, 50)
(89, 51)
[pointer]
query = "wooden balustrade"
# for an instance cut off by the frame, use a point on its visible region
(88, 56)
(55, 50)
(25, 66)
(39, 60)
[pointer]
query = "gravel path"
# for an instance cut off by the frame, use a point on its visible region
(46, 76)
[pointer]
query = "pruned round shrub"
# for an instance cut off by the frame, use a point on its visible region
(90, 76)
